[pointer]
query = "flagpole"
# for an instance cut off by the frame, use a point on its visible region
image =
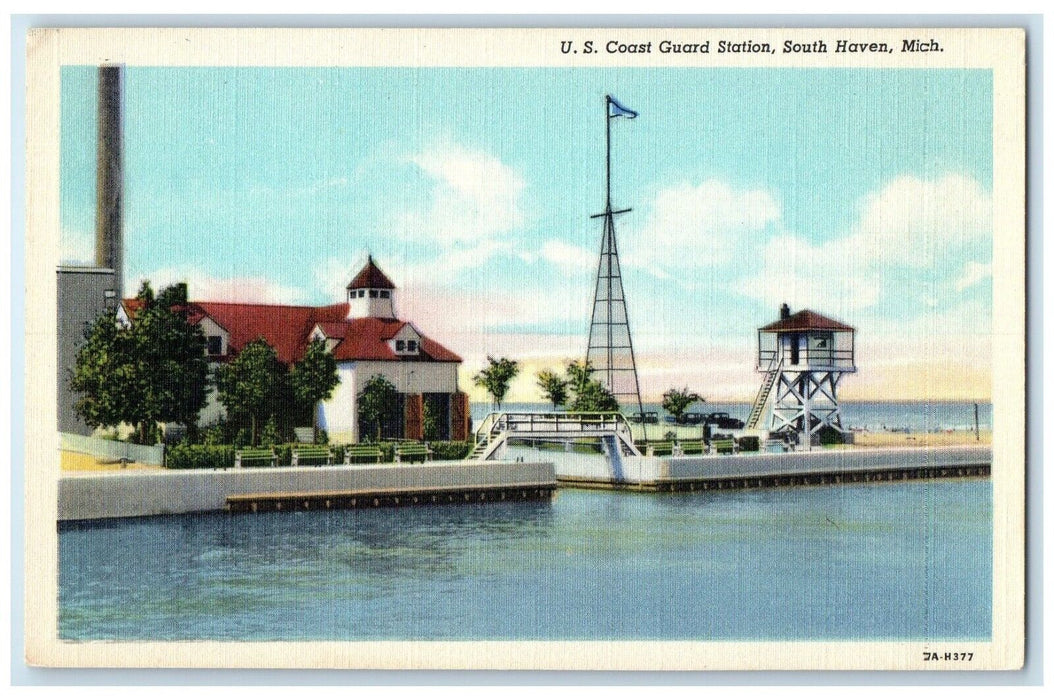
(607, 119)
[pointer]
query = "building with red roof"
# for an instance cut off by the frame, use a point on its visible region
(366, 339)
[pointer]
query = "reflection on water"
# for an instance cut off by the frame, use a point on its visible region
(852, 562)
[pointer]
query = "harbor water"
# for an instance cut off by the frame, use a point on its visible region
(905, 560)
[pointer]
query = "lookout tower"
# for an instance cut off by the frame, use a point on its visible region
(371, 293)
(803, 356)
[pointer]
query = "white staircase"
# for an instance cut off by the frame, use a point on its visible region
(763, 393)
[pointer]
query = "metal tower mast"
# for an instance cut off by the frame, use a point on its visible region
(610, 348)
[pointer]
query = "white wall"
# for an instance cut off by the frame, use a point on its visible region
(338, 415)
(411, 377)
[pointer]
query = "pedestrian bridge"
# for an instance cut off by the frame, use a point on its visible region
(611, 429)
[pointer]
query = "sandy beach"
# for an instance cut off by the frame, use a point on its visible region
(938, 439)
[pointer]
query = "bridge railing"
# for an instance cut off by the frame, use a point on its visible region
(523, 422)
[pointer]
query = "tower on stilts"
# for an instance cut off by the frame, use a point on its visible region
(804, 356)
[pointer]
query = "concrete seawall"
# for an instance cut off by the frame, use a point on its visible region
(763, 469)
(89, 496)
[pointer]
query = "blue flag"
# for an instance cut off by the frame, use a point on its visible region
(617, 110)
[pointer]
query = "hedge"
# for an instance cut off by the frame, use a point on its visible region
(187, 456)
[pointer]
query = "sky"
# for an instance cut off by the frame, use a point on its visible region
(864, 195)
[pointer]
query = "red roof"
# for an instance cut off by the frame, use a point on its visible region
(806, 320)
(371, 277)
(288, 330)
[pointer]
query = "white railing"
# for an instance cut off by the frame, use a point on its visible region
(500, 425)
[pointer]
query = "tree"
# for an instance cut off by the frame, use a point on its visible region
(104, 375)
(496, 376)
(152, 371)
(376, 402)
(590, 396)
(252, 384)
(313, 379)
(676, 402)
(554, 387)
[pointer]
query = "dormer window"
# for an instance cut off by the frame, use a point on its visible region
(400, 345)
(214, 345)
(411, 345)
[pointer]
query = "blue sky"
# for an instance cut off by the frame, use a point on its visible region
(862, 194)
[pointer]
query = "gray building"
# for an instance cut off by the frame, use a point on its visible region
(84, 293)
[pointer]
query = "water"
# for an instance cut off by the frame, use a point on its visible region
(909, 416)
(881, 561)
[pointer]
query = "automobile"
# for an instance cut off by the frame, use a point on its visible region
(646, 417)
(686, 419)
(724, 421)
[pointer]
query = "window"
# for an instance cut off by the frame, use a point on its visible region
(362, 293)
(373, 294)
(400, 345)
(385, 294)
(215, 345)
(411, 345)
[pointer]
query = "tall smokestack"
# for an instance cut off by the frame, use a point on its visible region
(108, 176)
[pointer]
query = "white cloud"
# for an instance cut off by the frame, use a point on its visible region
(204, 287)
(702, 224)
(828, 276)
(568, 256)
(973, 273)
(474, 196)
(77, 247)
(914, 221)
(910, 222)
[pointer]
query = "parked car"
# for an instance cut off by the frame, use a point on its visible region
(686, 419)
(724, 421)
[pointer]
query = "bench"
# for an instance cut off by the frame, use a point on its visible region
(257, 455)
(362, 452)
(693, 447)
(411, 450)
(658, 449)
(312, 453)
(723, 446)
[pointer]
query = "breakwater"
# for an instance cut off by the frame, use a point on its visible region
(90, 496)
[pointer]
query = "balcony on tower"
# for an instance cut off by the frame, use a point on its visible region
(806, 341)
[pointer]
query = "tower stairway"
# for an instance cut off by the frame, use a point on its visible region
(762, 397)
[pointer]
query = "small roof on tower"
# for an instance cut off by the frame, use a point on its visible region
(806, 320)
(371, 277)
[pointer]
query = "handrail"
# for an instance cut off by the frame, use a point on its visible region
(834, 358)
(549, 422)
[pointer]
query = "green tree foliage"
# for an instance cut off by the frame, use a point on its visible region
(496, 376)
(377, 401)
(153, 371)
(588, 394)
(253, 384)
(430, 420)
(270, 435)
(676, 402)
(554, 387)
(313, 379)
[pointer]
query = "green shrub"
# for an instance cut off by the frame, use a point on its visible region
(186, 456)
(749, 443)
(830, 436)
(442, 449)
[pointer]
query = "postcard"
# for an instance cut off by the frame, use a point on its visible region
(647, 349)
